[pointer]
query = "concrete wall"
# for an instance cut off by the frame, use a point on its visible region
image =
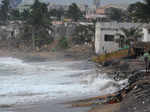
(63, 31)
(146, 36)
(6, 31)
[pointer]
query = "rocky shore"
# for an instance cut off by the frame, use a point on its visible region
(132, 98)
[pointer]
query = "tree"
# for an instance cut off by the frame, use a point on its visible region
(140, 11)
(4, 11)
(74, 12)
(116, 14)
(129, 35)
(58, 13)
(25, 15)
(39, 21)
(39, 14)
(83, 34)
(15, 14)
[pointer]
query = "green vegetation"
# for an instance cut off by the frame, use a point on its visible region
(36, 28)
(140, 11)
(116, 14)
(63, 43)
(4, 11)
(15, 15)
(129, 35)
(25, 14)
(39, 23)
(57, 13)
(83, 34)
(74, 12)
(111, 56)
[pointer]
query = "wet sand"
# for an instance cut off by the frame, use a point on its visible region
(106, 108)
(45, 107)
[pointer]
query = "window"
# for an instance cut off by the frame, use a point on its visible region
(149, 31)
(109, 37)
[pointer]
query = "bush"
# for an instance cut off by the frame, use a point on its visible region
(111, 56)
(83, 34)
(63, 43)
(42, 37)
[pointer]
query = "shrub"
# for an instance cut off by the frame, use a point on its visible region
(63, 43)
(111, 56)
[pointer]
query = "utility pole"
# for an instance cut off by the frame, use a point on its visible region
(96, 3)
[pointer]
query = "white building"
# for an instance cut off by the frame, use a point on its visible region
(25, 4)
(106, 34)
(146, 32)
(10, 31)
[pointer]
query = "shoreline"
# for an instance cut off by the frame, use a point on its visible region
(42, 106)
(46, 56)
(135, 96)
(78, 106)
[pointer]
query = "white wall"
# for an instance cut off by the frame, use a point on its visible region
(102, 46)
(97, 39)
(146, 36)
(109, 28)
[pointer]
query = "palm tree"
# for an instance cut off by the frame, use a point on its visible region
(129, 36)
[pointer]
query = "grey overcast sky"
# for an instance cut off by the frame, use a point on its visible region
(88, 1)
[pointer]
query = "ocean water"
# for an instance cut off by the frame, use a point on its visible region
(29, 82)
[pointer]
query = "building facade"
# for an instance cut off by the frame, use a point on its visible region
(146, 32)
(106, 35)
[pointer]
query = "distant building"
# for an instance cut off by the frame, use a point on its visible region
(11, 30)
(25, 4)
(101, 13)
(57, 6)
(21, 8)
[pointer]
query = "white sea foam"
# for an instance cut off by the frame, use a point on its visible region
(31, 82)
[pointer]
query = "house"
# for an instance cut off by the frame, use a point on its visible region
(146, 32)
(10, 31)
(96, 14)
(101, 13)
(106, 35)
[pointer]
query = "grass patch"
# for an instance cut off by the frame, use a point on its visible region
(110, 56)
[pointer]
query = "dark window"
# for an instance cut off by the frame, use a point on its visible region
(149, 31)
(109, 38)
